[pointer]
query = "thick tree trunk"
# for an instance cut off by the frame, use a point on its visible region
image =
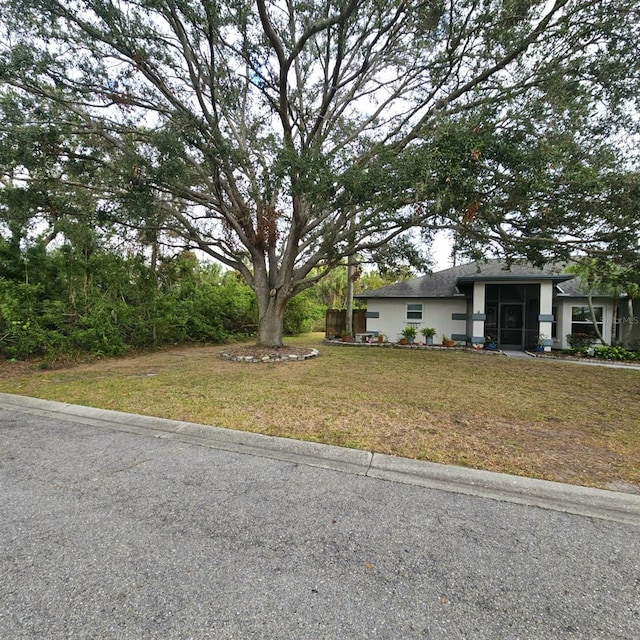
(271, 320)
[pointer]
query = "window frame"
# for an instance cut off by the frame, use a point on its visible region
(586, 325)
(420, 311)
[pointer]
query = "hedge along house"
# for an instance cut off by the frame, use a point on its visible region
(516, 306)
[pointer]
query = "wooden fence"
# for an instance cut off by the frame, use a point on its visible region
(336, 322)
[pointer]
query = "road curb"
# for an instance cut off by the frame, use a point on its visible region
(315, 454)
(584, 501)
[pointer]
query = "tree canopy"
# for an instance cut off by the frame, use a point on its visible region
(281, 136)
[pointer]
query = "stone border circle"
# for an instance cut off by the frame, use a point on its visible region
(271, 357)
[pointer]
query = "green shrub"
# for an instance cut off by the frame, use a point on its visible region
(21, 334)
(579, 341)
(302, 314)
(102, 303)
(615, 353)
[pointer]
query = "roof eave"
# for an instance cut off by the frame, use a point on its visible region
(513, 278)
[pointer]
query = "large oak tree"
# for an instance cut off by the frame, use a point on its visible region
(279, 136)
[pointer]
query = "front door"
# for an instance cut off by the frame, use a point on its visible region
(511, 326)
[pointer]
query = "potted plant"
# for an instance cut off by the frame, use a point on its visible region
(380, 337)
(447, 342)
(346, 336)
(409, 333)
(428, 333)
(538, 347)
(490, 343)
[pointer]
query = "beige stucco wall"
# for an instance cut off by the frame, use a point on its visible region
(438, 313)
(435, 313)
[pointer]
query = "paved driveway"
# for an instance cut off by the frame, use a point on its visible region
(108, 534)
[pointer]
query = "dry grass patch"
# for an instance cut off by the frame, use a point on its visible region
(529, 417)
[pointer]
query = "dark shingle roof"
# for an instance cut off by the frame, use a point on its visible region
(444, 284)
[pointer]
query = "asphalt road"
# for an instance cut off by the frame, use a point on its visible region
(109, 534)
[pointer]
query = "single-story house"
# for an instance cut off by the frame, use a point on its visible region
(515, 306)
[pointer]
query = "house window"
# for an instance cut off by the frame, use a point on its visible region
(554, 324)
(581, 320)
(414, 311)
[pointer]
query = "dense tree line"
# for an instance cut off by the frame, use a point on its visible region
(98, 298)
(63, 302)
(68, 303)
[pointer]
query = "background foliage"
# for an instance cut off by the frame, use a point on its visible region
(71, 301)
(65, 302)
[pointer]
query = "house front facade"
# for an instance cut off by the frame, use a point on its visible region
(516, 306)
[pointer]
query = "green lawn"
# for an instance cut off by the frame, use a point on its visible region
(537, 418)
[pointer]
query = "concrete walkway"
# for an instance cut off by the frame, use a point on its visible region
(516, 354)
(590, 363)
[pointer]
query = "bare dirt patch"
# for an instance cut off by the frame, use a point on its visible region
(10, 369)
